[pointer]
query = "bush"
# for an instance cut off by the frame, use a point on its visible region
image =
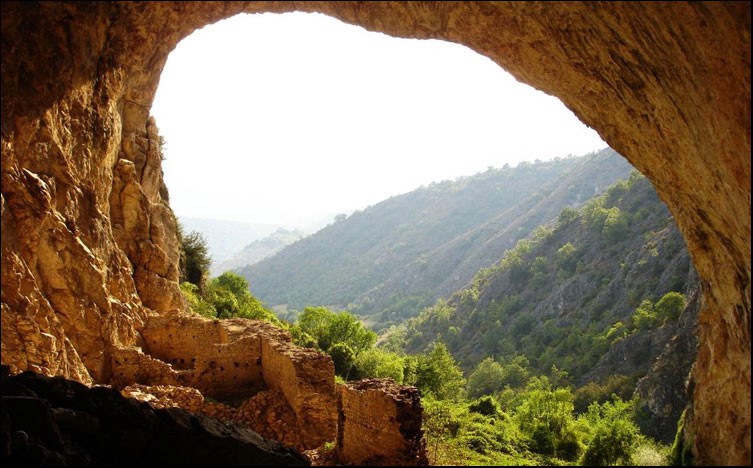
(670, 306)
(376, 362)
(644, 317)
(485, 405)
(542, 439)
(194, 258)
(613, 442)
(569, 446)
(566, 258)
(487, 378)
(343, 358)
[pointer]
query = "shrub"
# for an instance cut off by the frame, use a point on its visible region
(613, 442)
(485, 405)
(343, 358)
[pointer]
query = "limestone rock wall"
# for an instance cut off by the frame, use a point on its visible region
(88, 242)
(379, 424)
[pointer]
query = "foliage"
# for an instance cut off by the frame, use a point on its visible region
(681, 453)
(329, 328)
(376, 362)
(194, 258)
(226, 296)
(341, 335)
(612, 443)
(668, 308)
(438, 375)
(195, 302)
(486, 379)
(615, 435)
(343, 357)
(538, 427)
(566, 257)
(644, 317)
(619, 386)
(567, 216)
(485, 405)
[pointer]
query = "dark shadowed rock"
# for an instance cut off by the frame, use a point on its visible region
(54, 421)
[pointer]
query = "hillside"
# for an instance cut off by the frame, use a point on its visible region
(390, 260)
(569, 296)
(259, 250)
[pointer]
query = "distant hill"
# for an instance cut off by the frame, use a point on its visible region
(225, 238)
(259, 250)
(390, 260)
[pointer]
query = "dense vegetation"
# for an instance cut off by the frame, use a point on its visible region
(519, 367)
(387, 262)
(563, 296)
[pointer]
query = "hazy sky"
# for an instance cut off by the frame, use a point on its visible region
(285, 119)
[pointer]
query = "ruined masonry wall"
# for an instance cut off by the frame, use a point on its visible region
(307, 379)
(222, 359)
(379, 424)
(234, 359)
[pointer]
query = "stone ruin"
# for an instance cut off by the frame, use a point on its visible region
(265, 382)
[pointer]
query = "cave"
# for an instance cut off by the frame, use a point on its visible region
(89, 250)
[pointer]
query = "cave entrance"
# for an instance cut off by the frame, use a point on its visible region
(276, 109)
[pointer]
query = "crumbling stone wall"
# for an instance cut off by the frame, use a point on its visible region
(379, 424)
(307, 379)
(235, 359)
(220, 358)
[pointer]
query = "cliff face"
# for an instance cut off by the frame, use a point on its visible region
(88, 240)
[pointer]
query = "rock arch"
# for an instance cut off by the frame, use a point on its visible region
(88, 243)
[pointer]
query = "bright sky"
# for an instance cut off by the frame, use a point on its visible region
(285, 119)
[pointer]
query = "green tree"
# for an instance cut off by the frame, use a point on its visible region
(196, 302)
(567, 216)
(314, 321)
(616, 227)
(670, 306)
(644, 316)
(613, 442)
(376, 362)
(345, 327)
(485, 405)
(224, 301)
(343, 358)
(233, 282)
(194, 258)
(438, 374)
(614, 433)
(516, 372)
(566, 258)
(487, 378)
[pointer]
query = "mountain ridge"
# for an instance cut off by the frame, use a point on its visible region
(388, 257)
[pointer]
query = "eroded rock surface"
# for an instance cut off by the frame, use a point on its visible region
(88, 241)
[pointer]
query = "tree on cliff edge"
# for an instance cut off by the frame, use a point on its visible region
(194, 258)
